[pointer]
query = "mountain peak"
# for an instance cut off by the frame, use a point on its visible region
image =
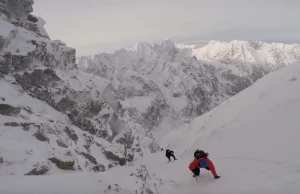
(241, 52)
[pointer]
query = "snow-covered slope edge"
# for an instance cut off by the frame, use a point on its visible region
(263, 113)
(253, 137)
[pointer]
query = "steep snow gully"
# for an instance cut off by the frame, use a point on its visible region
(253, 139)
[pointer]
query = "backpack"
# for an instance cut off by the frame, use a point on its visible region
(200, 154)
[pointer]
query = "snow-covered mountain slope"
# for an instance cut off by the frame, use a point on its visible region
(173, 82)
(74, 114)
(244, 53)
(180, 83)
(67, 123)
(263, 116)
(252, 139)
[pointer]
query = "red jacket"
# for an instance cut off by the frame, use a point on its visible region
(195, 164)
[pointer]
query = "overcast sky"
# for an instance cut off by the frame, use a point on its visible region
(93, 26)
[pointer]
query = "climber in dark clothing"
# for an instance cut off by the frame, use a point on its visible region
(170, 153)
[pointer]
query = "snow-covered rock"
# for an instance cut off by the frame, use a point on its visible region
(245, 54)
(70, 118)
(155, 82)
(159, 80)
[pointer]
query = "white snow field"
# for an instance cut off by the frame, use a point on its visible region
(253, 139)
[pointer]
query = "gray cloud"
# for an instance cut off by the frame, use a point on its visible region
(93, 26)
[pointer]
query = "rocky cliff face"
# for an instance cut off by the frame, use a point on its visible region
(167, 80)
(186, 81)
(73, 120)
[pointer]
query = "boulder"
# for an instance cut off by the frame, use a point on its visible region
(61, 143)
(111, 156)
(41, 135)
(64, 165)
(8, 110)
(43, 169)
(71, 133)
(91, 158)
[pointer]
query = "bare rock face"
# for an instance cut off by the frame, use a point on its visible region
(99, 168)
(19, 9)
(90, 158)
(61, 143)
(1, 160)
(8, 110)
(111, 156)
(39, 170)
(64, 165)
(71, 133)
(41, 136)
(12, 124)
(170, 81)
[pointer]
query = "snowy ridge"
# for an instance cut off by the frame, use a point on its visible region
(271, 55)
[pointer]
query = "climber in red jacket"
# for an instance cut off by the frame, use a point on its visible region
(201, 161)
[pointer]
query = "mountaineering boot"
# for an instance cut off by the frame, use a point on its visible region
(217, 177)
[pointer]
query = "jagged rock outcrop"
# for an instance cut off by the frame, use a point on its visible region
(55, 105)
(184, 81)
(40, 169)
(18, 9)
(8, 110)
(64, 165)
(41, 136)
(165, 80)
(33, 45)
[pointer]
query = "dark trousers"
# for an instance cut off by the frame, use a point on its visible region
(169, 157)
(196, 171)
